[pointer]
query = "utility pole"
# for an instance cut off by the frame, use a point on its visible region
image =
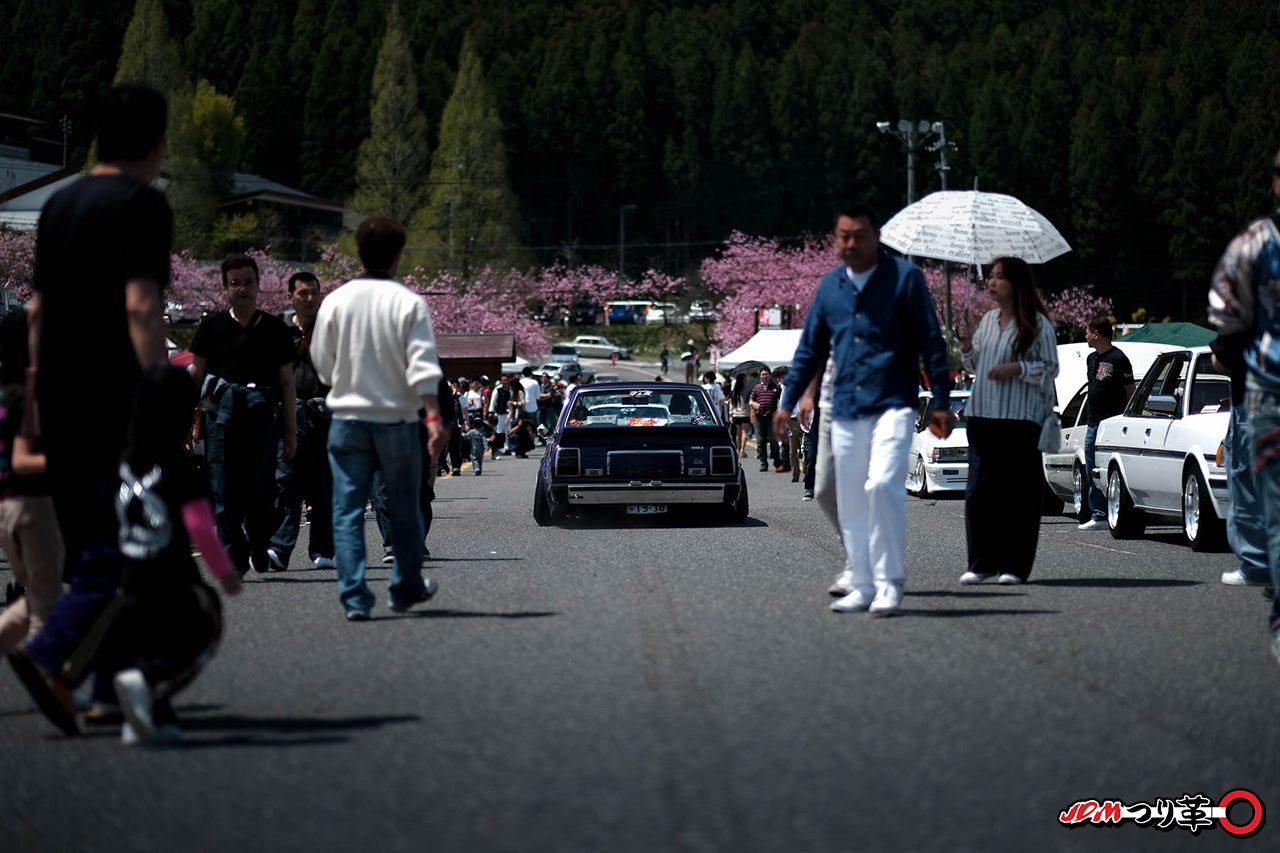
(912, 134)
(65, 124)
(941, 145)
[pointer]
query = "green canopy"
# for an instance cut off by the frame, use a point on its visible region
(1178, 334)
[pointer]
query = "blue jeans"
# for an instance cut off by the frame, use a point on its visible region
(356, 450)
(1246, 532)
(1094, 498)
(1264, 416)
(240, 457)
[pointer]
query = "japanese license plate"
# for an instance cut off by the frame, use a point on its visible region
(645, 509)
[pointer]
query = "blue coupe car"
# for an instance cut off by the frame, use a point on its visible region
(651, 447)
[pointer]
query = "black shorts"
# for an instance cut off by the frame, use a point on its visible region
(738, 420)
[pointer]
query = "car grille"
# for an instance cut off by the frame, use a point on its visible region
(645, 464)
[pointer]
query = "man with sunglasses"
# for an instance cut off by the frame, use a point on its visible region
(1244, 306)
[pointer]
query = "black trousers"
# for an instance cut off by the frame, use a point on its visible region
(1003, 497)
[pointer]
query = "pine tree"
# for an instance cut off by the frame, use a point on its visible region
(393, 161)
(149, 54)
(471, 218)
(267, 98)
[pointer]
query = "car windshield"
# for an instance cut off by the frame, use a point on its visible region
(639, 408)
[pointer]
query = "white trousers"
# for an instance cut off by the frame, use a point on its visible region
(871, 494)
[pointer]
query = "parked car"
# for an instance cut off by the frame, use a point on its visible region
(585, 313)
(700, 309)
(621, 314)
(606, 379)
(563, 353)
(649, 447)
(594, 346)
(1162, 457)
(565, 370)
(939, 464)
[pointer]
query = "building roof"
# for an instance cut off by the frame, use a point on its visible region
(484, 345)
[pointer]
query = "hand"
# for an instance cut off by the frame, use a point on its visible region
(1006, 371)
(942, 422)
(437, 437)
(231, 584)
(1217, 365)
(290, 445)
(805, 410)
(781, 422)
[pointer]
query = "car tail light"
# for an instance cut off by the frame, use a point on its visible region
(1218, 456)
(723, 461)
(568, 462)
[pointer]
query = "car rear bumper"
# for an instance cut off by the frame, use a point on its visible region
(601, 494)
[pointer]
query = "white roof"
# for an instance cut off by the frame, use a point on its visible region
(774, 347)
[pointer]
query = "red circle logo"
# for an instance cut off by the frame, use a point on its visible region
(1259, 813)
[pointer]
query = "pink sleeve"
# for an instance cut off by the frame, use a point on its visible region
(197, 515)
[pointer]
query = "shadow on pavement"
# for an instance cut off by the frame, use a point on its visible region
(939, 593)
(980, 611)
(278, 731)
(466, 614)
(1114, 583)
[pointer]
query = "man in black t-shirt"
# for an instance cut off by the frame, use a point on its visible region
(1110, 387)
(97, 320)
(243, 362)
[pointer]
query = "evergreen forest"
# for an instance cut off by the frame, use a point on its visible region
(1143, 129)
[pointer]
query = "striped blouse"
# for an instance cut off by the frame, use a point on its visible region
(1026, 396)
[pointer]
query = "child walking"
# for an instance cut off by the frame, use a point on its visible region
(171, 620)
(477, 435)
(28, 529)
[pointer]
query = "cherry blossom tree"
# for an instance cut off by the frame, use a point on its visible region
(17, 257)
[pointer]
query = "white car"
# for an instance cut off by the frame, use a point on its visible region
(1162, 457)
(939, 464)
(594, 346)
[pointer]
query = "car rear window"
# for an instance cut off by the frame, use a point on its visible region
(639, 409)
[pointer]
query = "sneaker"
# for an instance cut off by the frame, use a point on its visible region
(1009, 580)
(323, 563)
(261, 562)
(975, 577)
(278, 563)
(167, 733)
(1094, 524)
(1239, 578)
(134, 696)
(781, 469)
(843, 584)
(795, 478)
(764, 467)
(48, 691)
(887, 601)
(457, 472)
(428, 593)
(854, 602)
(808, 495)
(387, 557)
(357, 615)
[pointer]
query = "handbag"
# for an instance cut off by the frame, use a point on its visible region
(1050, 426)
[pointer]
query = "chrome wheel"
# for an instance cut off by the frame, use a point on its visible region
(1115, 492)
(1191, 507)
(1077, 488)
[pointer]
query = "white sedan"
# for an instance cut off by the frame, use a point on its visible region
(594, 346)
(939, 464)
(1161, 458)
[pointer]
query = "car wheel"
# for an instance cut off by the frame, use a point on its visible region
(1200, 524)
(1079, 492)
(541, 506)
(921, 479)
(737, 511)
(1124, 519)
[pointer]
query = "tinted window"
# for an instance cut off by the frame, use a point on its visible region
(640, 408)
(1165, 379)
(1071, 413)
(1210, 388)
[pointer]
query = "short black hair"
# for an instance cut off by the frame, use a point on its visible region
(239, 262)
(306, 277)
(131, 120)
(858, 211)
(1100, 324)
(528, 371)
(379, 241)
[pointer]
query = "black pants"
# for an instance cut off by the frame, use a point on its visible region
(765, 440)
(1003, 497)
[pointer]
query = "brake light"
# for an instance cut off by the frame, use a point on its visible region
(723, 460)
(1217, 457)
(568, 462)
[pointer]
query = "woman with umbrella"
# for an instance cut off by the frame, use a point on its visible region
(1012, 355)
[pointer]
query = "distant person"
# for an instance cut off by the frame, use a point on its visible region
(476, 436)
(532, 390)
(1244, 305)
(740, 414)
(1110, 378)
(500, 405)
(873, 313)
(96, 319)
(375, 346)
(1013, 355)
(664, 357)
(714, 391)
(764, 402)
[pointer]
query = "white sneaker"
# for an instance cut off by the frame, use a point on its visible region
(974, 577)
(135, 700)
(888, 600)
(1239, 578)
(843, 584)
(856, 600)
(1009, 580)
(163, 734)
(1094, 524)
(323, 563)
(275, 561)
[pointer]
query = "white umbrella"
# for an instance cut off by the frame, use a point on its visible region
(973, 227)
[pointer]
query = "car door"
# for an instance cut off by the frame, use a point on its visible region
(1154, 476)
(1075, 420)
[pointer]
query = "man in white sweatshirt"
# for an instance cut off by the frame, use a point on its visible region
(374, 346)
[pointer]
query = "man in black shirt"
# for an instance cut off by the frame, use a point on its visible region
(243, 362)
(97, 320)
(308, 474)
(1110, 387)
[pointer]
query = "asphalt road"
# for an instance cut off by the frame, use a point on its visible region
(656, 684)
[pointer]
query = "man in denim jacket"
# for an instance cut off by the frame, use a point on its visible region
(874, 315)
(1244, 306)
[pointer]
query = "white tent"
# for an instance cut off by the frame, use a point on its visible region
(774, 347)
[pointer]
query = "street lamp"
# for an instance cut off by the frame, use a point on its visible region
(911, 133)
